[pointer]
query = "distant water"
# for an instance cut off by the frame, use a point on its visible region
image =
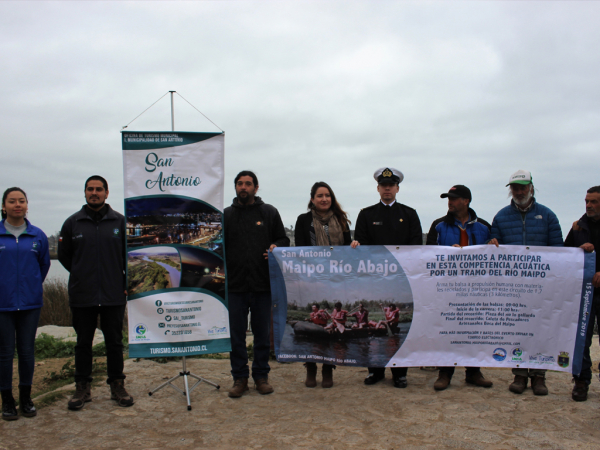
(173, 272)
(57, 271)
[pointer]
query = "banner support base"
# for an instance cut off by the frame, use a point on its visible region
(185, 374)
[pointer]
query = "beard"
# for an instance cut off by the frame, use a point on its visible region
(244, 198)
(96, 206)
(525, 201)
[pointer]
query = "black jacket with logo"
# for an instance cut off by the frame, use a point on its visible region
(582, 232)
(388, 225)
(94, 254)
(249, 232)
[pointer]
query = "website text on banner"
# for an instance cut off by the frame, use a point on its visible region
(175, 256)
(507, 306)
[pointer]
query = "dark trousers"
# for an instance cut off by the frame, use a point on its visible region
(17, 327)
(396, 371)
(586, 364)
(111, 324)
(259, 305)
(450, 371)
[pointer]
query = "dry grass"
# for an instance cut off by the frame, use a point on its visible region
(56, 309)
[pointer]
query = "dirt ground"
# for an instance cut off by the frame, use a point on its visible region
(350, 415)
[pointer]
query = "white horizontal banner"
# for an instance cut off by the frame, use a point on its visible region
(507, 306)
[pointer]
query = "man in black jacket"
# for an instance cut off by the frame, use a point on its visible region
(252, 230)
(92, 248)
(388, 223)
(585, 234)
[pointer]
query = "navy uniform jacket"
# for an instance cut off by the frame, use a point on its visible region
(385, 225)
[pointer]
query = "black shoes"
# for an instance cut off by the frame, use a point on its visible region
(26, 405)
(374, 378)
(400, 382)
(9, 409)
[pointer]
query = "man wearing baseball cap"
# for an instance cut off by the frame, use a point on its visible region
(526, 222)
(459, 228)
(388, 223)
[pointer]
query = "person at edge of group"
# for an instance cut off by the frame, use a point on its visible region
(361, 316)
(24, 264)
(325, 224)
(459, 228)
(252, 230)
(585, 233)
(388, 223)
(91, 247)
(526, 222)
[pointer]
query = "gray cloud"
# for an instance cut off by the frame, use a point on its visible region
(448, 92)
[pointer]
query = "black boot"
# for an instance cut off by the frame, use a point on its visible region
(9, 409)
(25, 403)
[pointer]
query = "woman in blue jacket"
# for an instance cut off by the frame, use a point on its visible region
(24, 264)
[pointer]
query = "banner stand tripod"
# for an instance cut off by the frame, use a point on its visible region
(185, 374)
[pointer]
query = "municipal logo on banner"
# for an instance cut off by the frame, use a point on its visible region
(563, 359)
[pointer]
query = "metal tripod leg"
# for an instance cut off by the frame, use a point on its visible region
(185, 373)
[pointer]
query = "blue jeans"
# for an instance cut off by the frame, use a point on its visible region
(19, 327)
(586, 364)
(259, 305)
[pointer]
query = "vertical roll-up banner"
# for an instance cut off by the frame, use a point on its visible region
(177, 302)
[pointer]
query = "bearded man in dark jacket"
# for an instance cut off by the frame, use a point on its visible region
(252, 230)
(459, 228)
(585, 234)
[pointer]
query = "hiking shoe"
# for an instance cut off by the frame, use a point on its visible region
(118, 393)
(373, 378)
(442, 382)
(580, 391)
(9, 409)
(400, 382)
(519, 385)
(26, 405)
(327, 372)
(81, 396)
(478, 380)
(239, 387)
(311, 375)
(538, 384)
(262, 386)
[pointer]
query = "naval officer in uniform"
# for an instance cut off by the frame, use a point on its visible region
(388, 223)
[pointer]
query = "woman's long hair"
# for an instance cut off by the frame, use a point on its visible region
(8, 191)
(338, 212)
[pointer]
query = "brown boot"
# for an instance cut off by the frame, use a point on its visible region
(82, 395)
(311, 375)
(580, 391)
(478, 380)
(442, 382)
(262, 386)
(240, 386)
(327, 376)
(538, 384)
(118, 393)
(519, 385)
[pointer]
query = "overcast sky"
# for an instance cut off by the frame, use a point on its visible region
(447, 92)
